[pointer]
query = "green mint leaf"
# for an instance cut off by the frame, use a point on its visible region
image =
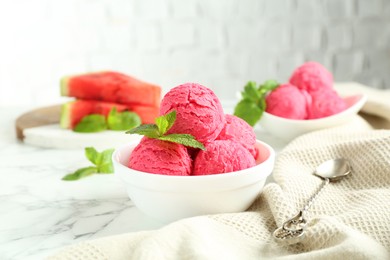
(106, 169)
(122, 120)
(104, 164)
(251, 92)
(158, 131)
(80, 173)
(252, 105)
(262, 105)
(162, 124)
(184, 139)
(165, 122)
(171, 118)
(91, 123)
(267, 86)
(149, 130)
(248, 111)
(92, 155)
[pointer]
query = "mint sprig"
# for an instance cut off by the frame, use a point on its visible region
(184, 139)
(80, 173)
(161, 127)
(118, 121)
(149, 130)
(165, 122)
(122, 120)
(91, 124)
(252, 105)
(102, 164)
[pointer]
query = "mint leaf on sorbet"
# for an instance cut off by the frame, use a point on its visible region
(251, 92)
(149, 130)
(252, 105)
(102, 164)
(248, 111)
(267, 86)
(91, 123)
(171, 118)
(122, 120)
(165, 122)
(159, 130)
(184, 139)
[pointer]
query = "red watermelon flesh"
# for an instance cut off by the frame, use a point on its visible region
(111, 87)
(74, 111)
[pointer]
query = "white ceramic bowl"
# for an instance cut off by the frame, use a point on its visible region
(288, 129)
(168, 198)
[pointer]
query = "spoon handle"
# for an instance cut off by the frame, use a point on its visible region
(293, 230)
(315, 195)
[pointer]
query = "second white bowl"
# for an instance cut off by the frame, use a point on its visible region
(288, 129)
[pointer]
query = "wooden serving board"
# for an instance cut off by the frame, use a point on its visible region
(40, 127)
(38, 117)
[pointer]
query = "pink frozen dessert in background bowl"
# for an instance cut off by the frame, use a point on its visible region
(325, 103)
(307, 103)
(312, 76)
(288, 129)
(289, 102)
(167, 198)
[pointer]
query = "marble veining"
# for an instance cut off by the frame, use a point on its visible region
(40, 213)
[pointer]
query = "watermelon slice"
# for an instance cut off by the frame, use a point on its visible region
(111, 86)
(72, 112)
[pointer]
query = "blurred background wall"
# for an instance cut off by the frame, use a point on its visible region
(220, 44)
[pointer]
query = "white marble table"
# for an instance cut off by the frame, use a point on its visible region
(40, 213)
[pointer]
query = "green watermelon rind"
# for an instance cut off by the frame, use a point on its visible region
(65, 115)
(64, 83)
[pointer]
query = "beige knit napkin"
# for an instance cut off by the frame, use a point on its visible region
(350, 219)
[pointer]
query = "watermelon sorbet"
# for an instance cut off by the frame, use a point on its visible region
(199, 111)
(160, 157)
(240, 131)
(229, 141)
(289, 102)
(309, 95)
(312, 76)
(325, 103)
(222, 156)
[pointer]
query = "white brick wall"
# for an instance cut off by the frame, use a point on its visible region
(221, 44)
(369, 8)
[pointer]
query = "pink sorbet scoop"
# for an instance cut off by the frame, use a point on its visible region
(222, 156)
(325, 103)
(312, 76)
(199, 111)
(289, 102)
(239, 131)
(160, 157)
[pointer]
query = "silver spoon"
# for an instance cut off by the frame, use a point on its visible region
(293, 230)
